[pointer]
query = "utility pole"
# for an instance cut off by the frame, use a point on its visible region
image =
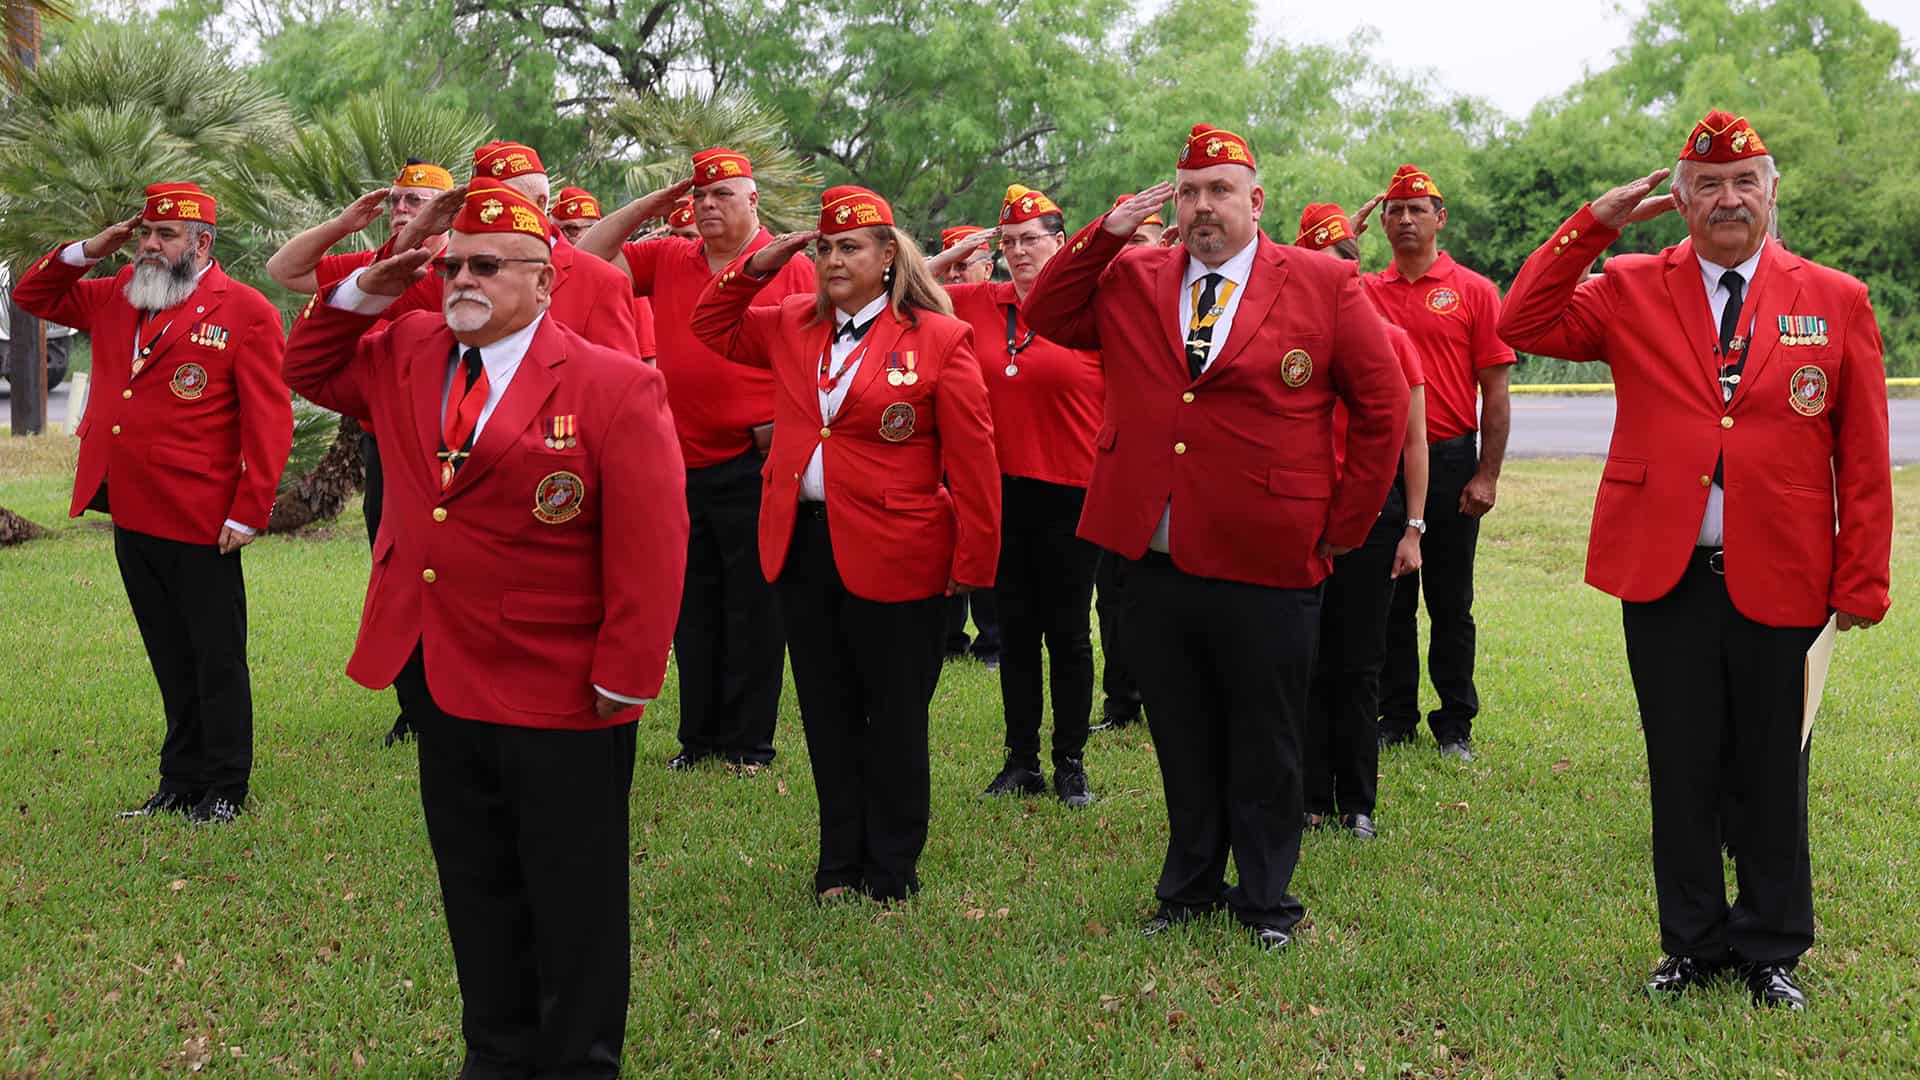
(27, 343)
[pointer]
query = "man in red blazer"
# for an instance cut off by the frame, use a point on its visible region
(1747, 496)
(524, 587)
(1214, 475)
(727, 648)
(183, 447)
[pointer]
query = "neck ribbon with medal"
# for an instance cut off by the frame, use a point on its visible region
(830, 377)
(1735, 360)
(1015, 346)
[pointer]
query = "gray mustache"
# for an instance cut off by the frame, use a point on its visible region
(1738, 213)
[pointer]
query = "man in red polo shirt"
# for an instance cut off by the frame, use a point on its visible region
(727, 646)
(1453, 315)
(575, 212)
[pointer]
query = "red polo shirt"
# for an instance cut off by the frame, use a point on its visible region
(716, 403)
(1410, 366)
(1047, 412)
(1453, 315)
(643, 327)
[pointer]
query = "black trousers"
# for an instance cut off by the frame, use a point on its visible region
(1446, 575)
(865, 672)
(1343, 735)
(1224, 668)
(529, 833)
(1114, 610)
(1719, 699)
(726, 646)
(373, 496)
(190, 603)
(1046, 589)
(985, 607)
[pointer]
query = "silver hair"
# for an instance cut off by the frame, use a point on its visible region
(197, 229)
(534, 186)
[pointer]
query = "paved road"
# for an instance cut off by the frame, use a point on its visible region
(56, 405)
(1583, 426)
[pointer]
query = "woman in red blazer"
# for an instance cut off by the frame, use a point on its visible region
(877, 397)
(1048, 401)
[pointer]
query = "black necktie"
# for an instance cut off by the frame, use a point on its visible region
(470, 360)
(852, 330)
(1200, 326)
(1735, 359)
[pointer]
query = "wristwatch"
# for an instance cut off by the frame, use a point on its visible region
(1418, 523)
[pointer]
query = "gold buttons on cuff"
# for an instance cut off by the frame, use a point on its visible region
(1706, 481)
(428, 576)
(1179, 448)
(1187, 397)
(439, 513)
(127, 393)
(1573, 234)
(826, 432)
(1726, 421)
(116, 429)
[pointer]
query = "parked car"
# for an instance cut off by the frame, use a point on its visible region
(58, 337)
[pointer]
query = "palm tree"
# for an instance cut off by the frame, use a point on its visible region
(665, 129)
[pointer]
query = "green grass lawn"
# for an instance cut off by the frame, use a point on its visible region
(1501, 926)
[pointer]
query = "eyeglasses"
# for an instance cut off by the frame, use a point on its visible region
(481, 265)
(1015, 243)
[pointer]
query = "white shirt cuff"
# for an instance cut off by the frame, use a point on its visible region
(621, 698)
(75, 254)
(244, 530)
(347, 297)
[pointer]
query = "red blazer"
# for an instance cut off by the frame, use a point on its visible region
(1807, 427)
(590, 297)
(202, 433)
(520, 609)
(898, 533)
(1246, 458)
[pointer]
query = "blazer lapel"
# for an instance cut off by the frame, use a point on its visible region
(1779, 281)
(175, 324)
(533, 382)
(427, 369)
(1695, 316)
(1166, 287)
(563, 256)
(1263, 288)
(886, 333)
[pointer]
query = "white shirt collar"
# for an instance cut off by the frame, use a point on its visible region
(1711, 272)
(1236, 269)
(866, 314)
(503, 356)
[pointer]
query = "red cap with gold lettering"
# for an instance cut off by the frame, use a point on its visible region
(845, 208)
(178, 202)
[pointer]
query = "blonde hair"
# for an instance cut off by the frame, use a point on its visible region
(913, 286)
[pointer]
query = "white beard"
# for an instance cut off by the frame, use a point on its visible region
(157, 288)
(469, 316)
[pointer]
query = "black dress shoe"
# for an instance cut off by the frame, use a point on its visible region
(1269, 938)
(1360, 825)
(1391, 739)
(684, 760)
(1459, 748)
(1773, 985)
(1311, 821)
(163, 802)
(1172, 915)
(213, 809)
(1114, 717)
(1018, 778)
(1680, 973)
(1070, 783)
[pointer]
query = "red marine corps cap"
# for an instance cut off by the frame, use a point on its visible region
(953, 234)
(493, 207)
(575, 204)
(506, 160)
(1024, 204)
(681, 216)
(1208, 146)
(1720, 138)
(845, 208)
(719, 163)
(1412, 182)
(1151, 219)
(1323, 225)
(178, 202)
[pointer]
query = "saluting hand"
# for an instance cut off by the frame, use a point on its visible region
(961, 250)
(1625, 204)
(775, 255)
(437, 218)
(360, 212)
(659, 204)
(1361, 215)
(1122, 220)
(394, 275)
(110, 239)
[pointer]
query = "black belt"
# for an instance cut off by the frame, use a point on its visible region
(1713, 558)
(816, 511)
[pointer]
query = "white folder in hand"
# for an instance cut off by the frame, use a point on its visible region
(1818, 658)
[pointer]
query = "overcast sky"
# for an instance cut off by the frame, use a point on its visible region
(1512, 52)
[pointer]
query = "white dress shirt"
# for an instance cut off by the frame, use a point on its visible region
(501, 359)
(75, 254)
(1713, 522)
(1237, 270)
(850, 353)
